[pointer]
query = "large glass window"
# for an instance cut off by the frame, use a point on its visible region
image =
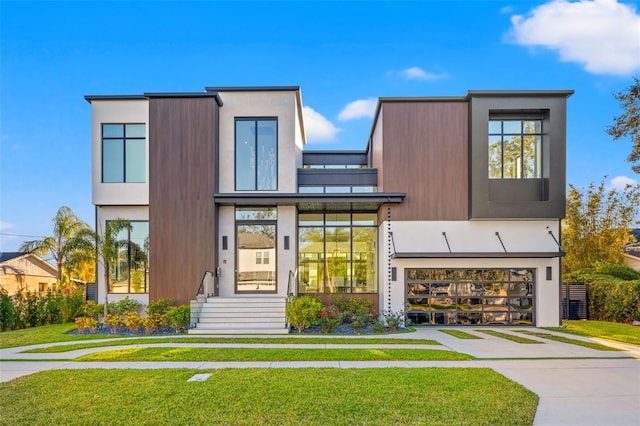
(337, 253)
(515, 149)
(470, 296)
(256, 154)
(256, 245)
(131, 273)
(123, 153)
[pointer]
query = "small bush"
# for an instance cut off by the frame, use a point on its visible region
(330, 318)
(179, 317)
(92, 309)
(160, 306)
(72, 306)
(359, 321)
(379, 326)
(394, 319)
(352, 306)
(123, 306)
(133, 321)
(115, 322)
(303, 312)
(154, 322)
(86, 323)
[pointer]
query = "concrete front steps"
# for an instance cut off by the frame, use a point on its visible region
(240, 315)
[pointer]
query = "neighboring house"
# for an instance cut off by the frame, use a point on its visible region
(451, 212)
(632, 252)
(27, 272)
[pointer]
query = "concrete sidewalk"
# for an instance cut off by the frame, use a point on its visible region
(576, 385)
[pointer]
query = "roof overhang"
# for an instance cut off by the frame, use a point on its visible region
(313, 202)
(481, 255)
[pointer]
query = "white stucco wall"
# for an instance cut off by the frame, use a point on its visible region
(117, 111)
(280, 104)
(103, 214)
(518, 236)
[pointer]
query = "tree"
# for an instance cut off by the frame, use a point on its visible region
(628, 123)
(63, 243)
(598, 225)
(105, 247)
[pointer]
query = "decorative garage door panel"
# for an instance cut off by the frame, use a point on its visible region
(496, 296)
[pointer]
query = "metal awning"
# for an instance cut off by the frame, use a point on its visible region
(482, 255)
(369, 201)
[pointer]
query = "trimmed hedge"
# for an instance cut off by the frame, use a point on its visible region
(613, 291)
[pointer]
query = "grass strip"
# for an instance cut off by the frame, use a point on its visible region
(240, 340)
(284, 354)
(513, 338)
(46, 334)
(554, 337)
(623, 333)
(460, 334)
(386, 396)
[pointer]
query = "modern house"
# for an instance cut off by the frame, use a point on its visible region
(451, 212)
(27, 272)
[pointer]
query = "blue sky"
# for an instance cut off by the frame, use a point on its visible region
(343, 55)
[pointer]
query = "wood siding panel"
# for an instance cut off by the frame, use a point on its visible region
(182, 177)
(425, 154)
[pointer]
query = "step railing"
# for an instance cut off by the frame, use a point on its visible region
(292, 291)
(206, 286)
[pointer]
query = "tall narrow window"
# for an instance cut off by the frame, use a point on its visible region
(131, 271)
(515, 149)
(123, 153)
(256, 154)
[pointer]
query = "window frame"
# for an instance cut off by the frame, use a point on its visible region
(124, 140)
(146, 284)
(256, 120)
(520, 118)
(248, 221)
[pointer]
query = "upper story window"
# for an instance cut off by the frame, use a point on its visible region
(515, 149)
(256, 154)
(123, 153)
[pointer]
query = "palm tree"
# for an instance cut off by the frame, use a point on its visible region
(64, 241)
(105, 246)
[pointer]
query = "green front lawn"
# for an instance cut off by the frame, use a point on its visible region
(267, 354)
(590, 345)
(45, 334)
(268, 396)
(239, 340)
(459, 334)
(624, 333)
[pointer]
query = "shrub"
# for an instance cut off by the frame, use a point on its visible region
(303, 312)
(52, 308)
(612, 299)
(622, 272)
(394, 319)
(179, 317)
(330, 318)
(359, 321)
(72, 306)
(7, 311)
(92, 309)
(115, 322)
(379, 326)
(160, 306)
(154, 322)
(352, 306)
(86, 323)
(133, 321)
(123, 306)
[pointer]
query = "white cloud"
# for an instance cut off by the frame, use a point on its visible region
(358, 109)
(317, 127)
(620, 182)
(5, 225)
(417, 73)
(602, 35)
